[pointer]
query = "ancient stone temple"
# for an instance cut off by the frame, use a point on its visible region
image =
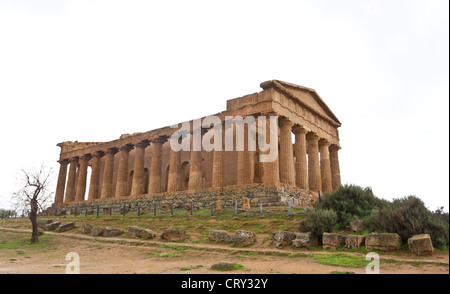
(144, 166)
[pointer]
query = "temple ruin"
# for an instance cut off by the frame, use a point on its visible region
(143, 165)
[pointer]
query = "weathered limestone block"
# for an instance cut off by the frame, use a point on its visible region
(142, 233)
(305, 240)
(383, 241)
(333, 240)
(97, 231)
(244, 238)
(354, 241)
(220, 236)
(52, 226)
(111, 232)
(65, 227)
(356, 226)
(245, 203)
(86, 229)
(282, 238)
(421, 244)
(43, 222)
(173, 235)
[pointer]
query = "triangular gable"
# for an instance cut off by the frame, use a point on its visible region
(306, 96)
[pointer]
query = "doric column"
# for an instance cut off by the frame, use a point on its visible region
(122, 172)
(107, 182)
(270, 172)
(138, 184)
(155, 169)
(287, 169)
(195, 172)
(241, 168)
(315, 181)
(94, 184)
(301, 163)
(174, 171)
(60, 186)
(325, 169)
(334, 165)
(217, 169)
(82, 178)
(71, 180)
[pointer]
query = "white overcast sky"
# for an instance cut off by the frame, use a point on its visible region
(93, 70)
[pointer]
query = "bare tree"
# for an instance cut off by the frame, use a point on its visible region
(34, 195)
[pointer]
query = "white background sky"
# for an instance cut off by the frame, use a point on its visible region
(93, 70)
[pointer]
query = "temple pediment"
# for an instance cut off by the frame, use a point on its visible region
(307, 97)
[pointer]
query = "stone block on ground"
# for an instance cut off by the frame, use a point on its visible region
(220, 236)
(305, 240)
(421, 244)
(42, 222)
(52, 226)
(357, 226)
(173, 235)
(244, 238)
(142, 233)
(218, 206)
(111, 232)
(86, 229)
(41, 231)
(354, 241)
(282, 238)
(65, 227)
(97, 231)
(383, 241)
(333, 240)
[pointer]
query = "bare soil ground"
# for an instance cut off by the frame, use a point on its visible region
(125, 255)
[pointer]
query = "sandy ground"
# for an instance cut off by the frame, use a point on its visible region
(129, 256)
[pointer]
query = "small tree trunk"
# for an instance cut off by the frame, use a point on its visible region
(33, 219)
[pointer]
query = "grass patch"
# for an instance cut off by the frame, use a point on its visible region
(341, 273)
(23, 242)
(166, 255)
(191, 267)
(341, 259)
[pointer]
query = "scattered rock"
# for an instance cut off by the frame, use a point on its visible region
(305, 240)
(111, 232)
(86, 229)
(224, 266)
(220, 236)
(245, 203)
(97, 231)
(383, 241)
(356, 226)
(218, 206)
(139, 232)
(65, 227)
(421, 244)
(282, 238)
(164, 255)
(165, 208)
(173, 235)
(244, 238)
(52, 226)
(354, 241)
(333, 240)
(42, 222)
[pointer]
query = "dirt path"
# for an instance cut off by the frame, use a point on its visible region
(126, 255)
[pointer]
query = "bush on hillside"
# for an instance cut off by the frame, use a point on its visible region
(318, 222)
(350, 202)
(407, 217)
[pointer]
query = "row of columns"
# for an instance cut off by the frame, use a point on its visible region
(308, 171)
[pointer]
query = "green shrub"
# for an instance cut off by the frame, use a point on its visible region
(318, 222)
(408, 216)
(351, 202)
